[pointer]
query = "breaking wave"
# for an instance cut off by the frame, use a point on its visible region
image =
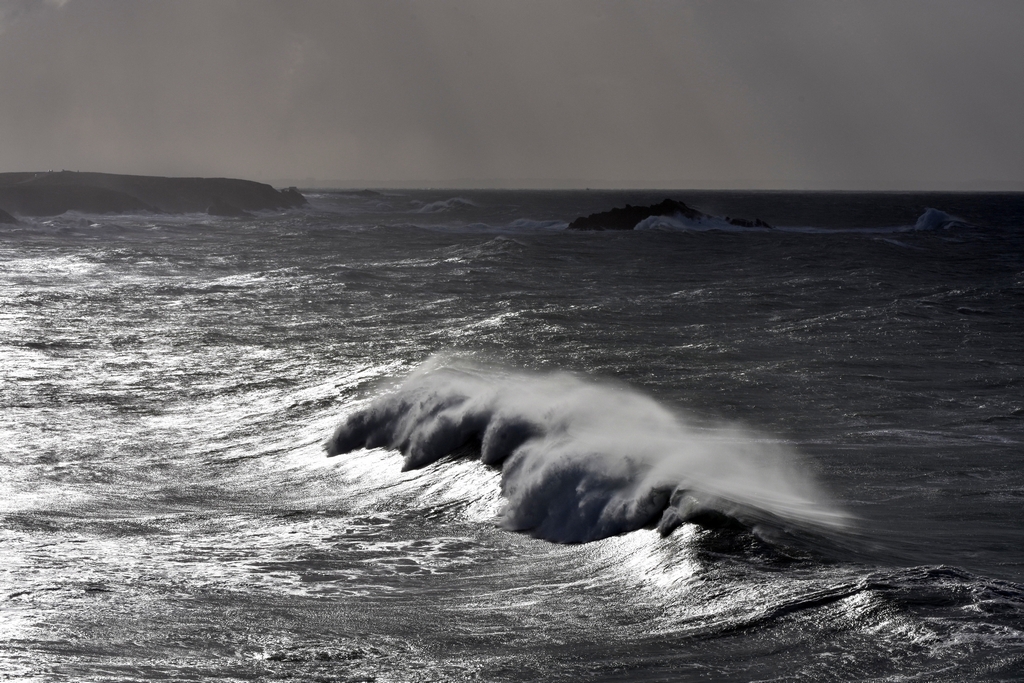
(701, 224)
(934, 219)
(930, 220)
(443, 205)
(582, 460)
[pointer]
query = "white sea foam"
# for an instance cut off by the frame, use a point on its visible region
(702, 224)
(583, 460)
(930, 220)
(442, 205)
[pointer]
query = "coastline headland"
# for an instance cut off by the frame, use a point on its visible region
(53, 193)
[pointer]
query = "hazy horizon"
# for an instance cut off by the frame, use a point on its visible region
(906, 95)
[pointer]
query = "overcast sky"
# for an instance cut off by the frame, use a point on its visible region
(516, 93)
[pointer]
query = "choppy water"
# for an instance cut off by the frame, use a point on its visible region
(167, 508)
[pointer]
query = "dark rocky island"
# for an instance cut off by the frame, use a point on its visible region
(53, 193)
(627, 217)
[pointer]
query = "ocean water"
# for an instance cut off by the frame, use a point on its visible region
(435, 436)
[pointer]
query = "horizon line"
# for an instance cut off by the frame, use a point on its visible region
(573, 185)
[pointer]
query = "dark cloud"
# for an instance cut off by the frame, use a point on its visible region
(757, 94)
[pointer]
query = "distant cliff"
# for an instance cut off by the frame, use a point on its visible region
(626, 218)
(51, 194)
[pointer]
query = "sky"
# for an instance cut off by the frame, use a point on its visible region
(759, 94)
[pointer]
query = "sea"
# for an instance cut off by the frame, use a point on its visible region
(435, 435)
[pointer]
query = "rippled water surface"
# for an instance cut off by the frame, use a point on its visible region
(167, 509)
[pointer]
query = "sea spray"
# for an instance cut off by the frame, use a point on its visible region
(581, 459)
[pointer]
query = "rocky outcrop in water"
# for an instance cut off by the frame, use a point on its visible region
(6, 218)
(222, 208)
(51, 194)
(626, 218)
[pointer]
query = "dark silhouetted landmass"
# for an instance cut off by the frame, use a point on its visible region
(627, 217)
(51, 194)
(6, 218)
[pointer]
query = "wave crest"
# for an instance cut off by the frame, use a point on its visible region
(582, 460)
(934, 219)
(443, 205)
